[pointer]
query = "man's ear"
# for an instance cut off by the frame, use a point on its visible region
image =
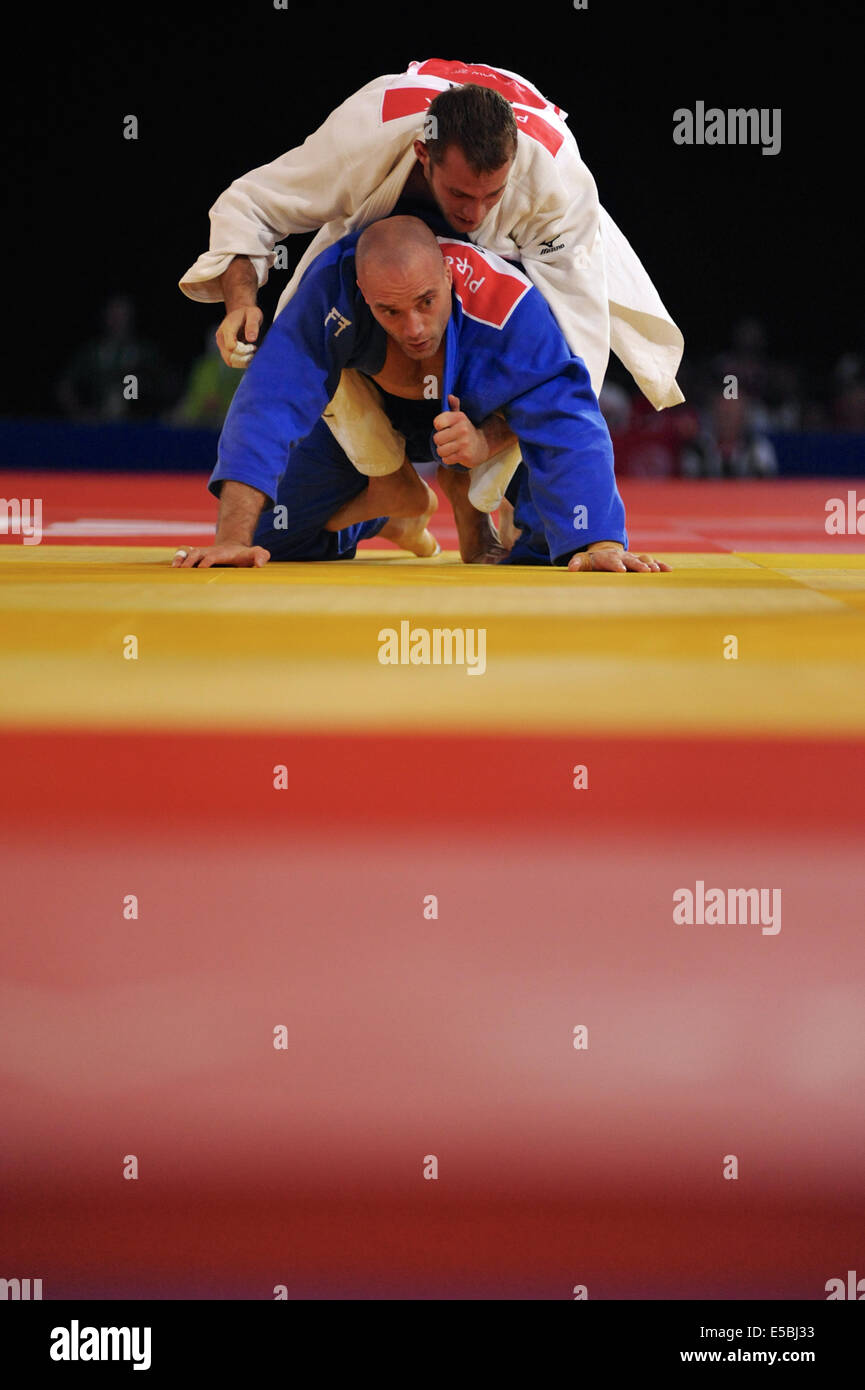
(421, 152)
(449, 276)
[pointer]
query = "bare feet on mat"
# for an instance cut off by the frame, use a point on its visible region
(410, 532)
(478, 537)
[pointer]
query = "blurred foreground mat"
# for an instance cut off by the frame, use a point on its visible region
(429, 909)
(423, 958)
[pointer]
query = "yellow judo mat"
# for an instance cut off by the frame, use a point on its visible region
(105, 637)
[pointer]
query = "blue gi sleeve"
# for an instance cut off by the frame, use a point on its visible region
(289, 381)
(565, 442)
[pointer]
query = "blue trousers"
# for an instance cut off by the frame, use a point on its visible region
(319, 479)
(530, 547)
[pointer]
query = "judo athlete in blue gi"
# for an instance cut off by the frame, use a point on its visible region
(434, 324)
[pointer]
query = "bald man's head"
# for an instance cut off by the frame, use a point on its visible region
(396, 241)
(403, 277)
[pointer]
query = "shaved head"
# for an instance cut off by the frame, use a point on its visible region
(399, 242)
(403, 277)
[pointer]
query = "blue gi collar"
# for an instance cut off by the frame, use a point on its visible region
(451, 363)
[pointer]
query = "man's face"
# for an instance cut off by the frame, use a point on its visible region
(463, 196)
(412, 305)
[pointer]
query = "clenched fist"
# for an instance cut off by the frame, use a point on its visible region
(456, 438)
(237, 335)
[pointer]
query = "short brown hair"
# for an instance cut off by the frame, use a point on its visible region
(477, 119)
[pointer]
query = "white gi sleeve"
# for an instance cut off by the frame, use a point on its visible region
(330, 175)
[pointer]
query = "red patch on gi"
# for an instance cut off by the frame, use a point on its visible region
(410, 101)
(540, 130)
(487, 293)
(406, 101)
(482, 76)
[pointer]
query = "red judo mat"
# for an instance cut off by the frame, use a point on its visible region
(786, 515)
(410, 1036)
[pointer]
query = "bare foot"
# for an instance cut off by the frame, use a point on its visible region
(478, 537)
(410, 532)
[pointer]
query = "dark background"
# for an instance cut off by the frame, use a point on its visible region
(723, 231)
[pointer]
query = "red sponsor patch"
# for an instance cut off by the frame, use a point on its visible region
(540, 130)
(410, 101)
(482, 76)
(406, 101)
(487, 291)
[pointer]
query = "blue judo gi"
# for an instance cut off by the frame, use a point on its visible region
(504, 352)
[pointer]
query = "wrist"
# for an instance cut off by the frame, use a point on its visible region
(233, 536)
(496, 436)
(240, 506)
(239, 299)
(239, 285)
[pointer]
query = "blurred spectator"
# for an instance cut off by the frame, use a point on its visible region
(813, 415)
(848, 389)
(730, 444)
(773, 387)
(648, 443)
(117, 376)
(209, 389)
(746, 358)
(615, 403)
(848, 409)
(735, 399)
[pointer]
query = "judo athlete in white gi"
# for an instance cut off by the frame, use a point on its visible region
(536, 203)
(430, 321)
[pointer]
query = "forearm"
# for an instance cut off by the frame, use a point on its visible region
(239, 285)
(497, 434)
(240, 507)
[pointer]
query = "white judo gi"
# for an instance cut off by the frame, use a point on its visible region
(351, 172)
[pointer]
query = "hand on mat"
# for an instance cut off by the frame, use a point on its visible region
(206, 556)
(612, 559)
(456, 438)
(237, 335)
